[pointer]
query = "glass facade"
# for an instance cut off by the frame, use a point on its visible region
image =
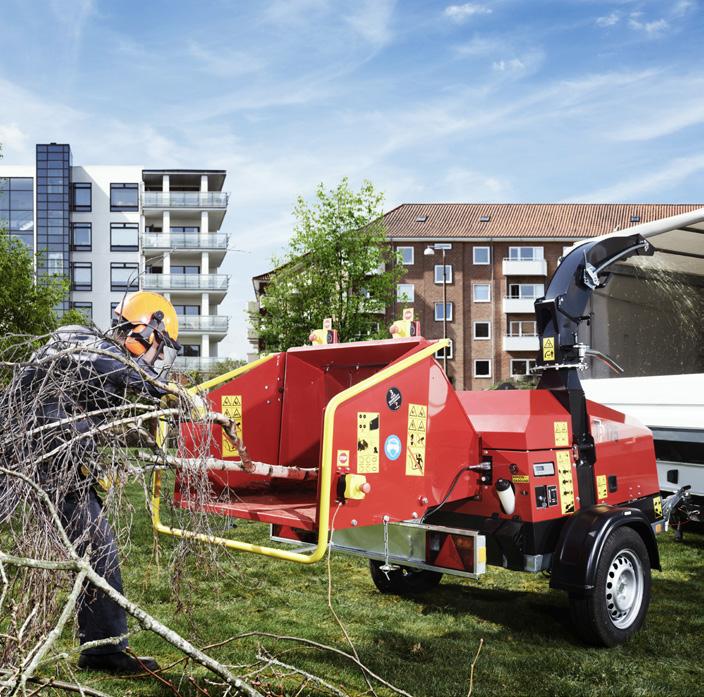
(17, 208)
(53, 211)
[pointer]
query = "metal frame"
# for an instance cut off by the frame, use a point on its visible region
(326, 464)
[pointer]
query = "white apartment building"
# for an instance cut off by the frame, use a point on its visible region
(115, 229)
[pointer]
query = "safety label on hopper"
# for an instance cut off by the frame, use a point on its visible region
(231, 405)
(415, 440)
(564, 475)
(601, 489)
(367, 442)
(562, 434)
(549, 348)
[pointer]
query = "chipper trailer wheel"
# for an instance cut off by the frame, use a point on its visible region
(615, 610)
(403, 580)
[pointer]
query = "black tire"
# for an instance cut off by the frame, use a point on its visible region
(403, 581)
(606, 617)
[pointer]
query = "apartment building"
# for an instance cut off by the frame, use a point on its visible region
(498, 258)
(116, 229)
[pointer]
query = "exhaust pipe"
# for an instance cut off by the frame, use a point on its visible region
(507, 497)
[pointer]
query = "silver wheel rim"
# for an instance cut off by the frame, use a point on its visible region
(624, 588)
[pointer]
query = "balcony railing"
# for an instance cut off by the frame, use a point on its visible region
(184, 240)
(184, 199)
(203, 323)
(176, 281)
(525, 267)
(519, 305)
(524, 342)
(202, 364)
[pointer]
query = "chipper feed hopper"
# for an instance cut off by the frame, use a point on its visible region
(367, 447)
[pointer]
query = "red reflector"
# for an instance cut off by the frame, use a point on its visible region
(451, 551)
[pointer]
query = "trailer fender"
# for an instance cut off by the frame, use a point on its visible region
(582, 539)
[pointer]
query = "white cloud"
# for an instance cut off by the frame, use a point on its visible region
(521, 65)
(608, 20)
(222, 62)
(461, 13)
(683, 7)
(480, 46)
(665, 178)
(372, 20)
(652, 29)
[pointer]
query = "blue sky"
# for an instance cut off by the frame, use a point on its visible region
(494, 100)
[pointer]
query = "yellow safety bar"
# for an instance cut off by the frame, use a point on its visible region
(325, 466)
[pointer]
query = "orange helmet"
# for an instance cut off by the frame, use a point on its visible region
(146, 317)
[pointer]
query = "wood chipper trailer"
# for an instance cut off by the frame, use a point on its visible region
(389, 461)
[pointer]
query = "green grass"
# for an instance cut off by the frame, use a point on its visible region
(424, 645)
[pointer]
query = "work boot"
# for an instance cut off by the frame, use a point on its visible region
(119, 662)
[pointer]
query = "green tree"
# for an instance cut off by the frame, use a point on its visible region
(339, 264)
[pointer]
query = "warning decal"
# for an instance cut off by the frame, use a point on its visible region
(564, 475)
(562, 436)
(601, 491)
(367, 442)
(231, 405)
(657, 507)
(549, 348)
(415, 441)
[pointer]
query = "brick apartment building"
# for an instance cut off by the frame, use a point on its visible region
(499, 259)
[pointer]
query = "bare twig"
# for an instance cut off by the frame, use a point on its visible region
(471, 671)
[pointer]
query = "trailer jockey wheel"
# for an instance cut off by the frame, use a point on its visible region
(404, 580)
(615, 610)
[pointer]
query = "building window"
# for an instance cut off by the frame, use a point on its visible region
(190, 310)
(439, 314)
(124, 237)
(406, 254)
(81, 237)
(405, 292)
(185, 228)
(522, 366)
(481, 292)
(85, 308)
(482, 368)
(82, 275)
(522, 328)
(82, 196)
(180, 270)
(481, 255)
(440, 353)
(192, 350)
(525, 253)
(55, 264)
(526, 291)
(438, 273)
(124, 276)
(124, 197)
(113, 307)
(482, 330)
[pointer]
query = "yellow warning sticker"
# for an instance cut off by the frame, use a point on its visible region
(562, 435)
(564, 478)
(231, 405)
(601, 490)
(520, 479)
(549, 348)
(657, 506)
(367, 442)
(415, 440)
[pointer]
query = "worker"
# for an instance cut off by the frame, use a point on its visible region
(144, 332)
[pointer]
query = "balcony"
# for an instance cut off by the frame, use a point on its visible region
(201, 364)
(184, 240)
(525, 306)
(203, 324)
(525, 267)
(521, 343)
(184, 199)
(216, 284)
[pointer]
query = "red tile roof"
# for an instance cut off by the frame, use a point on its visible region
(519, 220)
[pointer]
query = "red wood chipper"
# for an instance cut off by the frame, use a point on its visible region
(367, 448)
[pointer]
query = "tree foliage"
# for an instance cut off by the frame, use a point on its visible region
(338, 264)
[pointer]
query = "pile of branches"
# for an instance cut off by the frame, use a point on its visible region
(52, 445)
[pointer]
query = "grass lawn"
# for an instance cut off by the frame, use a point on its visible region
(423, 645)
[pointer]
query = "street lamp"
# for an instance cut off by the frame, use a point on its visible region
(429, 252)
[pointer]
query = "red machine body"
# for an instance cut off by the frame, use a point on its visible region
(420, 439)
